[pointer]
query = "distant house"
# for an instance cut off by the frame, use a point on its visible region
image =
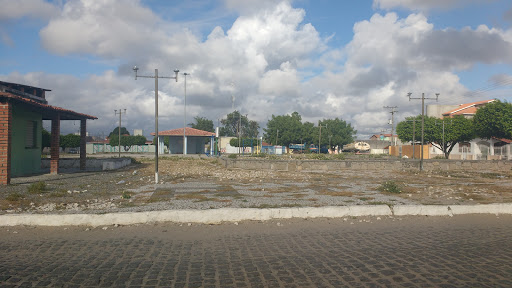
(492, 149)
(194, 141)
(383, 137)
(22, 111)
(466, 110)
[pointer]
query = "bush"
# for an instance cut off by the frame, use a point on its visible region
(232, 156)
(13, 197)
(390, 187)
(36, 188)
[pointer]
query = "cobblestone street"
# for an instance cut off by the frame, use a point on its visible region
(462, 251)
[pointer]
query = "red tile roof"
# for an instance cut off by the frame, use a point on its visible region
(466, 109)
(48, 110)
(189, 132)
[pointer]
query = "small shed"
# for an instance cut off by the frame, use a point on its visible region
(194, 139)
(22, 111)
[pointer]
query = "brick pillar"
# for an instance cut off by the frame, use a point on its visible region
(5, 142)
(83, 132)
(54, 147)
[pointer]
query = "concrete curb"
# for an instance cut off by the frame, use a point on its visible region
(215, 216)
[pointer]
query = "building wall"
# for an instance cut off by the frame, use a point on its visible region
(25, 160)
(5, 140)
(438, 110)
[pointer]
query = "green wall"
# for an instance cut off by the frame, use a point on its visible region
(25, 161)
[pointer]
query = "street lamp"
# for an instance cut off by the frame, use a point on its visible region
(176, 71)
(119, 130)
(185, 117)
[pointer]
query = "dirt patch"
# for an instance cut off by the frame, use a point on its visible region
(188, 183)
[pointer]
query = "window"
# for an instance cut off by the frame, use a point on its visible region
(465, 147)
(31, 134)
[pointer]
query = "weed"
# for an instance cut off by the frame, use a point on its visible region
(14, 197)
(126, 195)
(36, 188)
(232, 156)
(390, 187)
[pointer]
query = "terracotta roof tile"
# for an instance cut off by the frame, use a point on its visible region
(466, 109)
(189, 132)
(70, 114)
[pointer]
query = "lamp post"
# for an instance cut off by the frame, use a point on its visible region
(119, 130)
(185, 117)
(176, 71)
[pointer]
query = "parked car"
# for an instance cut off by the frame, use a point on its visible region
(73, 151)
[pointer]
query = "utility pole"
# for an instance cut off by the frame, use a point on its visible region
(277, 136)
(185, 117)
(119, 130)
(422, 121)
(413, 136)
(393, 111)
(320, 136)
(451, 122)
(176, 71)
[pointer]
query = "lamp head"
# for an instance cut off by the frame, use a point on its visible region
(135, 68)
(176, 71)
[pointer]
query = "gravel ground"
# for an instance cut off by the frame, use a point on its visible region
(202, 183)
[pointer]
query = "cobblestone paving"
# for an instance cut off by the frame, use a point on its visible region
(463, 251)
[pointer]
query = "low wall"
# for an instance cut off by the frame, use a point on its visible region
(90, 164)
(336, 165)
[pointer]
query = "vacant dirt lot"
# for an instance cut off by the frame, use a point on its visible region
(187, 183)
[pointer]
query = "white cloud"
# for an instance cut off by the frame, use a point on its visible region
(422, 5)
(265, 53)
(38, 9)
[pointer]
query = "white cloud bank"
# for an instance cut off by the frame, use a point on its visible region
(266, 54)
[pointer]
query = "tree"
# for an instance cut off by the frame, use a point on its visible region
(202, 124)
(230, 126)
(494, 120)
(457, 129)
(46, 139)
(292, 130)
(69, 141)
(127, 141)
(116, 132)
(289, 126)
(342, 133)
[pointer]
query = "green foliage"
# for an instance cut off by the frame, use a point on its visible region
(37, 188)
(230, 126)
(232, 156)
(14, 197)
(69, 141)
(494, 120)
(202, 124)
(166, 141)
(315, 156)
(124, 131)
(390, 187)
(46, 138)
(292, 130)
(457, 129)
(127, 141)
(126, 195)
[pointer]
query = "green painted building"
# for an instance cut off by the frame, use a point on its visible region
(22, 111)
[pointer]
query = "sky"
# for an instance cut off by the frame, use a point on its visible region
(324, 59)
